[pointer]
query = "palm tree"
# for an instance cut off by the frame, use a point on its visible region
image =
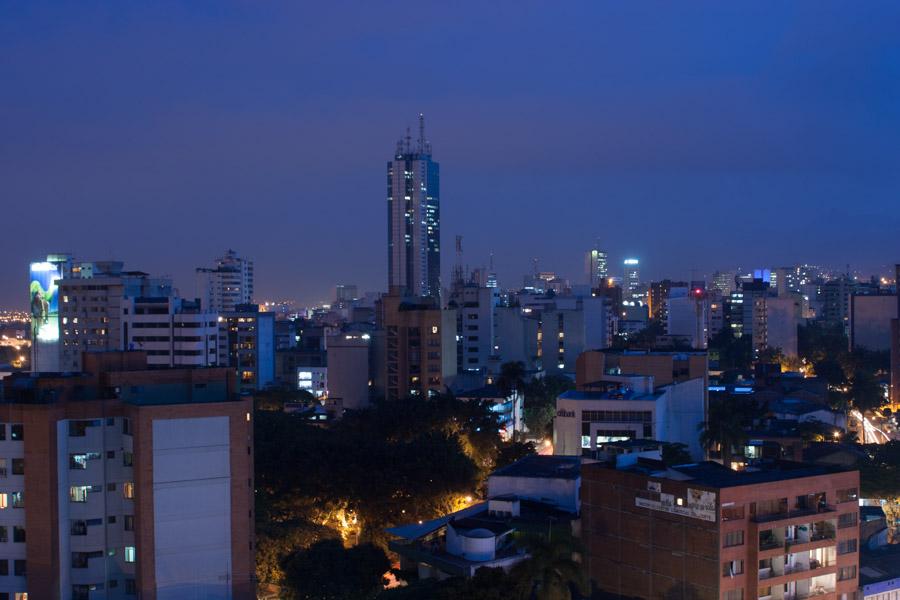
(550, 572)
(724, 426)
(511, 377)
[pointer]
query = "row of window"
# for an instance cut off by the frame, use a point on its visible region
(18, 466)
(18, 534)
(78, 428)
(79, 461)
(16, 432)
(80, 526)
(80, 559)
(80, 493)
(82, 591)
(18, 567)
(14, 499)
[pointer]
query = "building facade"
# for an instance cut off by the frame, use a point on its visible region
(417, 346)
(628, 407)
(596, 267)
(228, 284)
(172, 332)
(247, 346)
(414, 218)
(95, 303)
(126, 482)
(786, 531)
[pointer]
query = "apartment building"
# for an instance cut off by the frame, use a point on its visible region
(247, 346)
(122, 482)
(416, 345)
(228, 284)
(779, 531)
(94, 303)
(172, 331)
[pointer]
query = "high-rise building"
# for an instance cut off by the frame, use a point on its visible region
(228, 284)
(344, 294)
(723, 281)
(126, 482)
(778, 531)
(173, 332)
(596, 267)
(659, 293)
(247, 345)
(632, 281)
(414, 218)
(474, 306)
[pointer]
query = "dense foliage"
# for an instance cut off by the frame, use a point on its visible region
(394, 463)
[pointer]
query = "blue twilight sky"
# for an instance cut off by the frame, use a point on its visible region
(694, 135)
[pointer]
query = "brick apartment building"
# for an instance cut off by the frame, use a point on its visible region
(123, 482)
(788, 531)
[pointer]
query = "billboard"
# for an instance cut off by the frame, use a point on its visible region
(44, 301)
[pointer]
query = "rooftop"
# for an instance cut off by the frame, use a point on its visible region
(536, 465)
(625, 394)
(714, 475)
(879, 565)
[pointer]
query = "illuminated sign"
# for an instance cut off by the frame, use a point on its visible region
(44, 301)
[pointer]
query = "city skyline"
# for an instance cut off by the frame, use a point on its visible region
(685, 152)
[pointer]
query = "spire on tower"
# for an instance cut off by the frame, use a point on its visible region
(421, 133)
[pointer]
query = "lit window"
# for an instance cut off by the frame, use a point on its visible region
(128, 489)
(129, 554)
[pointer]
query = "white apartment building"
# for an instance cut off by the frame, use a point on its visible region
(228, 284)
(629, 407)
(173, 332)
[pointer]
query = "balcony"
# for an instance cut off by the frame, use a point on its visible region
(791, 514)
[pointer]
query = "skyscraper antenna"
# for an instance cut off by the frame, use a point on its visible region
(408, 140)
(421, 133)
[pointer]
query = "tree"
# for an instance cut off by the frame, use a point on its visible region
(771, 355)
(550, 572)
(726, 424)
(512, 377)
(817, 341)
(734, 352)
(540, 402)
(675, 454)
(275, 542)
(328, 571)
(865, 391)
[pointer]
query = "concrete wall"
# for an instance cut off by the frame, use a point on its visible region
(563, 493)
(192, 508)
(870, 321)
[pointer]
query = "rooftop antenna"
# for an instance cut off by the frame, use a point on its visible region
(408, 140)
(421, 133)
(492, 262)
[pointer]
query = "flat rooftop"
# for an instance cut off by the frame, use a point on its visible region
(712, 474)
(623, 395)
(547, 467)
(878, 565)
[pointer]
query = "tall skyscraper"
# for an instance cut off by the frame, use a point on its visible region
(230, 283)
(632, 280)
(414, 218)
(595, 265)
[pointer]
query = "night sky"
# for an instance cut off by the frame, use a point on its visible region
(694, 136)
